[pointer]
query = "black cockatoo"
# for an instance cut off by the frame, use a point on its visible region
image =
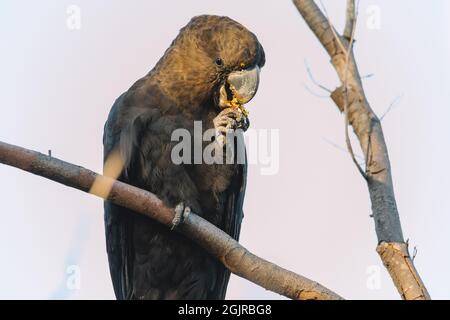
(210, 70)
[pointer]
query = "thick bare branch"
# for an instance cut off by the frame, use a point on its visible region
(234, 256)
(350, 98)
(397, 261)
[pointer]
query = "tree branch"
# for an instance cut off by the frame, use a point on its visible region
(234, 256)
(351, 14)
(350, 20)
(350, 98)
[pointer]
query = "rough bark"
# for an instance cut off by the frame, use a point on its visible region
(396, 259)
(234, 256)
(350, 99)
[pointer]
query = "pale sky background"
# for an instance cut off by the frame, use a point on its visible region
(57, 86)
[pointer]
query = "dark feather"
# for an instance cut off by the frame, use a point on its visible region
(147, 260)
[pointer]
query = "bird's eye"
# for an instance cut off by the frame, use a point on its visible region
(219, 62)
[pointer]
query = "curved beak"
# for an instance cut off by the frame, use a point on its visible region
(240, 87)
(244, 84)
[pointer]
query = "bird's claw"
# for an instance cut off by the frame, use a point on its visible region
(244, 123)
(181, 213)
(228, 120)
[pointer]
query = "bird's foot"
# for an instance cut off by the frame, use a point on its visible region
(228, 120)
(181, 213)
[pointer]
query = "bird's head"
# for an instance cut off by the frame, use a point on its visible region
(213, 59)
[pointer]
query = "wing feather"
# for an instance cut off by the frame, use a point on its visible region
(232, 224)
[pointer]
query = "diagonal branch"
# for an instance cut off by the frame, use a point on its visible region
(234, 256)
(350, 98)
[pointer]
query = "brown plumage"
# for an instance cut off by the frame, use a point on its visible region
(147, 260)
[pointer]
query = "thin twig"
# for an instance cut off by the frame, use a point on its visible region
(345, 150)
(391, 106)
(414, 253)
(347, 52)
(368, 76)
(354, 18)
(313, 80)
(350, 21)
(322, 96)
